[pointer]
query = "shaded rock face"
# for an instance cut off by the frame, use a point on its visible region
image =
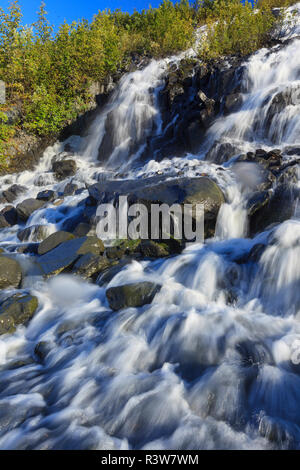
(272, 182)
(35, 233)
(131, 295)
(10, 272)
(16, 310)
(48, 195)
(271, 207)
(9, 215)
(64, 168)
(70, 189)
(201, 190)
(53, 241)
(12, 193)
(90, 265)
(192, 96)
(278, 103)
(27, 207)
(65, 254)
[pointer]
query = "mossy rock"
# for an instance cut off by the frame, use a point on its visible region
(90, 265)
(132, 295)
(67, 253)
(10, 272)
(27, 207)
(53, 241)
(16, 310)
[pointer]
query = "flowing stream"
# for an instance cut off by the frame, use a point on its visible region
(208, 364)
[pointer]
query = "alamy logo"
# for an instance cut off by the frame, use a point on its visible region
(119, 220)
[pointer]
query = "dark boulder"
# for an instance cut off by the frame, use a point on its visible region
(47, 195)
(35, 233)
(115, 252)
(114, 268)
(151, 249)
(53, 241)
(221, 152)
(90, 265)
(16, 310)
(3, 222)
(64, 168)
(70, 189)
(271, 207)
(200, 190)
(131, 295)
(83, 229)
(10, 272)
(232, 103)
(13, 192)
(27, 207)
(28, 248)
(66, 254)
(42, 349)
(10, 215)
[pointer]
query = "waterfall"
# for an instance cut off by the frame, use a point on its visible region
(210, 363)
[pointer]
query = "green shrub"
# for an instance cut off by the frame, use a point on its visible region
(235, 28)
(51, 73)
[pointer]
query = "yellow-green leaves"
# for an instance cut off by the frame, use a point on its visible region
(235, 28)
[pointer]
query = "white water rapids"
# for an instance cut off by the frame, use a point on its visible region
(208, 364)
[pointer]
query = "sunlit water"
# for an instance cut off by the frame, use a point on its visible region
(208, 364)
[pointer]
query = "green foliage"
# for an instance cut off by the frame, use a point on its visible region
(6, 132)
(50, 74)
(235, 28)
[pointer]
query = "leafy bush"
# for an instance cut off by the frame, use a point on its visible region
(51, 74)
(235, 28)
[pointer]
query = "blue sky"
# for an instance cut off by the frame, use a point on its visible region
(75, 9)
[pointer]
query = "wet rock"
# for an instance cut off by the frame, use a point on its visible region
(70, 189)
(83, 229)
(42, 349)
(256, 252)
(115, 267)
(254, 353)
(10, 272)
(278, 431)
(275, 105)
(232, 102)
(115, 252)
(269, 208)
(90, 265)
(13, 192)
(66, 254)
(53, 241)
(131, 295)
(64, 168)
(16, 310)
(130, 247)
(48, 195)
(3, 222)
(221, 152)
(28, 248)
(201, 190)
(292, 151)
(151, 249)
(27, 207)
(35, 233)
(10, 215)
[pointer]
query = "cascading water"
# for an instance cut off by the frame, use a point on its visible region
(208, 364)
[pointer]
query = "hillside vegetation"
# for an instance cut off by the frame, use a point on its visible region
(49, 75)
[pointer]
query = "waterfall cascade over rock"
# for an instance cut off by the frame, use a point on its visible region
(212, 360)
